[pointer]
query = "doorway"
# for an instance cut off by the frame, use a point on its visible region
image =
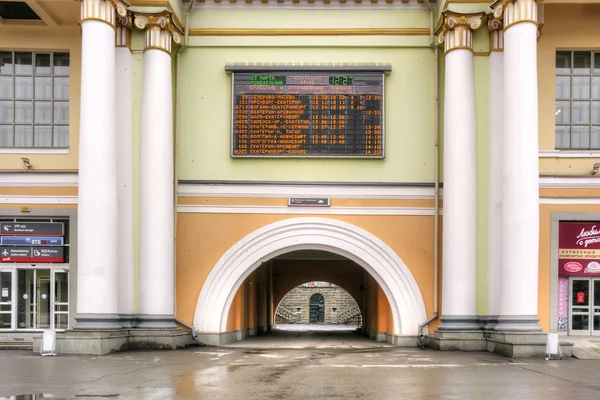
(34, 299)
(317, 309)
(584, 306)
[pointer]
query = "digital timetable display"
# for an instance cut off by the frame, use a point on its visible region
(308, 114)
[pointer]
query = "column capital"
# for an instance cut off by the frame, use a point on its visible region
(103, 10)
(456, 30)
(496, 29)
(123, 34)
(161, 30)
(517, 11)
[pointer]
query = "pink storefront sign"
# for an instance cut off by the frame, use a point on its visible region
(579, 248)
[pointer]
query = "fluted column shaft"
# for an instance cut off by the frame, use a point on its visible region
(459, 219)
(495, 162)
(520, 172)
(156, 181)
(97, 295)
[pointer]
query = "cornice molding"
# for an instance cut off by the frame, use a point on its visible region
(312, 32)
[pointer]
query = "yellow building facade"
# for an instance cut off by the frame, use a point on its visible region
(172, 166)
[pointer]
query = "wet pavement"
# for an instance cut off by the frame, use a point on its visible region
(335, 372)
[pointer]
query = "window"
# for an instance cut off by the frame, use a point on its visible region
(34, 99)
(577, 100)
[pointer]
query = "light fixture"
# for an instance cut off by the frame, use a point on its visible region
(26, 163)
(595, 168)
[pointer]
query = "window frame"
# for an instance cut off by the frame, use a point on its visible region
(594, 72)
(52, 74)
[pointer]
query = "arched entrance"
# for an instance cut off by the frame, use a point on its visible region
(317, 309)
(347, 240)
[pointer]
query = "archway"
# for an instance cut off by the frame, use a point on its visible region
(346, 240)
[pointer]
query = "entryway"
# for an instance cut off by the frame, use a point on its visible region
(584, 306)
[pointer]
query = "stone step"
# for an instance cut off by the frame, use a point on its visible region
(12, 344)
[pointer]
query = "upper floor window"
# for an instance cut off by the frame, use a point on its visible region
(34, 99)
(577, 100)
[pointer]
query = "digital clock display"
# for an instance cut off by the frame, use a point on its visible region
(341, 80)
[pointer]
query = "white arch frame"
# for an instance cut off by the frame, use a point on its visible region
(344, 239)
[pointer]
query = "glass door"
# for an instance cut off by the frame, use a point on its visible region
(34, 298)
(579, 306)
(61, 299)
(6, 305)
(596, 307)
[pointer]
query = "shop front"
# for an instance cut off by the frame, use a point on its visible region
(579, 278)
(34, 274)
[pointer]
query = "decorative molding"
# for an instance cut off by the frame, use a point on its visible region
(338, 237)
(123, 34)
(39, 179)
(496, 29)
(103, 10)
(314, 4)
(227, 209)
(570, 200)
(38, 199)
(160, 30)
(312, 32)
(456, 30)
(286, 191)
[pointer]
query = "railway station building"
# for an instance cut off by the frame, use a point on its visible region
(171, 169)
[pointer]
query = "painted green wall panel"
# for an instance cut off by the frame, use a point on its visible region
(481, 105)
(311, 41)
(206, 118)
(308, 19)
(137, 44)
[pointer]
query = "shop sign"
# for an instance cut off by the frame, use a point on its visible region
(579, 248)
(31, 254)
(580, 297)
(32, 228)
(32, 240)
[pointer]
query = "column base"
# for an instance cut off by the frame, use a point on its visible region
(127, 321)
(488, 322)
(93, 322)
(472, 340)
(454, 323)
(518, 323)
(154, 321)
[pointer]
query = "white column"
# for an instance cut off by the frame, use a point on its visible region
(459, 216)
(97, 296)
(520, 190)
(156, 181)
(495, 155)
(124, 113)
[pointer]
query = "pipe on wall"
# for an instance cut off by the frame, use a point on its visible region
(436, 172)
(184, 46)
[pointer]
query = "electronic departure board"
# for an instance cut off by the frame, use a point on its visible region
(308, 114)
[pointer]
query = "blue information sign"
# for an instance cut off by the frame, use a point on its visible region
(32, 240)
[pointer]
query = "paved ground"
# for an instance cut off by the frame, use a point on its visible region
(313, 372)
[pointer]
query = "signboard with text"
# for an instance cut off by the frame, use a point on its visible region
(579, 248)
(32, 242)
(32, 228)
(308, 114)
(32, 254)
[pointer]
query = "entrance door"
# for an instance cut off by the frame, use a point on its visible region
(317, 308)
(584, 306)
(34, 298)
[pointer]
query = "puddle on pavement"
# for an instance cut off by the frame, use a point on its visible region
(37, 396)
